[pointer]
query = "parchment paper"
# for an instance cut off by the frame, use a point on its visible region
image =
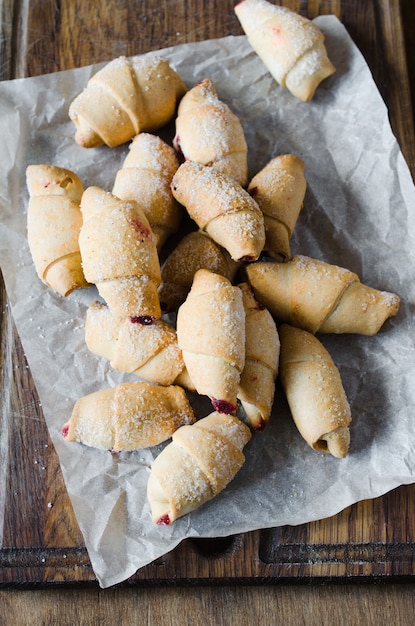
(358, 213)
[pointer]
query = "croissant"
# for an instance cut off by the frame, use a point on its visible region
(127, 96)
(208, 132)
(221, 208)
(145, 177)
(262, 350)
(314, 392)
(195, 251)
(149, 351)
(54, 220)
(211, 335)
(199, 463)
(128, 417)
(320, 297)
(279, 190)
(291, 46)
(119, 255)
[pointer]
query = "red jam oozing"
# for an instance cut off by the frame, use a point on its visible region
(140, 228)
(145, 320)
(164, 520)
(261, 425)
(253, 191)
(223, 406)
(247, 258)
(65, 430)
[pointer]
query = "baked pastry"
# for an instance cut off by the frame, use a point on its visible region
(208, 132)
(320, 297)
(119, 255)
(291, 46)
(196, 466)
(262, 349)
(54, 220)
(194, 252)
(314, 392)
(148, 350)
(145, 177)
(279, 190)
(211, 335)
(221, 208)
(127, 96)
(128, 417)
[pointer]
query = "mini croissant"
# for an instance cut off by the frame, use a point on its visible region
(148, 350)
(119, 255)
(194, 252)
(262, 350)
(320, 297)
(314, 391)
(211, 335)
(221, 208)
(127, 96)
(196, 466)
(54, 220)
(145, 177)
(279, 190)
(291, 46)
(128, 417)
(208, 132)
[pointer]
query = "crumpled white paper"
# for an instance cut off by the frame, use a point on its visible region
(358, 213)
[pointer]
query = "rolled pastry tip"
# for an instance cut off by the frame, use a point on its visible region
(196, 466)
(314, 391)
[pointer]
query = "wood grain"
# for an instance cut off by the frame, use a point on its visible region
(41, 541)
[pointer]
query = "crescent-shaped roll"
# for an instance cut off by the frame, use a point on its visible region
(320, 297)
(148, 350)
(314, 391)
(195, 251)
(145, 177)
(209, 132)
(221, 208)
(196, 466)
(262, 351)
(279, 190)
(128, 417)
(119, 254)
(54, 220)
(211, 335)
(127, 96)
(290, 45)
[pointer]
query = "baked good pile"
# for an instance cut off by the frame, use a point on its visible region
(184, 233)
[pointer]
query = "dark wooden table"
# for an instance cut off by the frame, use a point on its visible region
(372, 541)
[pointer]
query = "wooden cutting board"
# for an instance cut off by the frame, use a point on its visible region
(41, 544)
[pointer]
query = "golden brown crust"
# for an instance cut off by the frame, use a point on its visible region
(53, 224)
(197, 465)
(127, 96)
(208, 132)
(119, 254)
(290, 45)
(279, 190)
(222, 208)
(211, 335)
(149, 351)
(262, 349)
(195, 251)
(145, 177)
(128, 417)
(314, 391)
(320, 297)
